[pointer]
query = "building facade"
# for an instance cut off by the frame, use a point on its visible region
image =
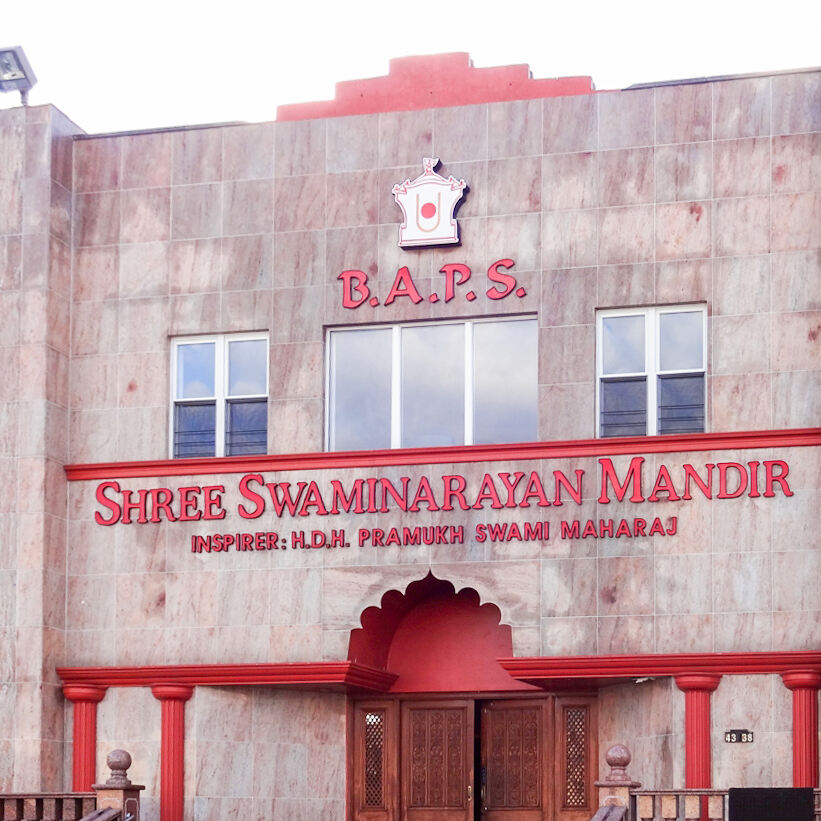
(397, 458)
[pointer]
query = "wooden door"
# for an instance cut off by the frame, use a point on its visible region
(516, 766)
(437, 760)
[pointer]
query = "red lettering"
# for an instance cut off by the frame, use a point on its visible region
(161, 499)
(139, 506)
(664, 484)
(251, 495)
(633, 477)
(723, 469)
(403, 286)
(107, 503)
(506, 280)
(424, 493)
(535, 490)
(510, 488)
(188, 505)
(212, 502)
(487, 490)
(340, 501)
(450, 270)
(388, 489)
(458, 492)
(780, 479)
(561, 481)
(706, 487)
(313, 498)
(570, 530)
(354, 282)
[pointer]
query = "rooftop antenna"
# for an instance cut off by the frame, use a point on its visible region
(15, 72)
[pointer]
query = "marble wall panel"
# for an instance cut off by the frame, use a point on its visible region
(248, 152)
(299, 148)
(515, 128)
(683, 172)
(196, 156)
(795, 221)
(405, 137)
(795, 98)
(569, 181)
(741, 108)
(352, 143)
(146, 160)
(570, 124)
(683, 113)
(626, 118)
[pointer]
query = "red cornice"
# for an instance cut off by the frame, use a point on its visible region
(335, 674)
(617, 446)
(544, 670)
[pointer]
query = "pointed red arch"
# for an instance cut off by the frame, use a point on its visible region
(436, 640)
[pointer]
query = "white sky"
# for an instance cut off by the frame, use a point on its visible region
(111, 65)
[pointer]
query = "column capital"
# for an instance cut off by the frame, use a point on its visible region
(172, 692)
(92, 693)
(802, 679)
(705, 682)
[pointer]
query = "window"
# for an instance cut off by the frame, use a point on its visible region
(432, 385)
(651, 370)
(219, 386)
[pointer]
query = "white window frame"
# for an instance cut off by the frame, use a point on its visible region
(652, 357)
(221, 396)
(396, 375)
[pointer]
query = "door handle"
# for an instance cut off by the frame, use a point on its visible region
(470, 792)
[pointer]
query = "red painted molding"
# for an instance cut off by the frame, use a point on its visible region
(799, 437)
(346, 675)
(804, 685)
(415, 83)
(698, 682)
(541, 670)
(85, 698)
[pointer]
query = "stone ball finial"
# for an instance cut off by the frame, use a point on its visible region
(118, 762)
(617, 758)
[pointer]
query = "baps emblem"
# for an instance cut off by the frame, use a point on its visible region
(427, 204)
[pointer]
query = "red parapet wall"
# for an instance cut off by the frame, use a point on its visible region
(435, 81)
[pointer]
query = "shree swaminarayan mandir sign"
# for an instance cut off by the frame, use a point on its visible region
(524, 496)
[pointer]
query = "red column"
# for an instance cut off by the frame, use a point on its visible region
(697, 688)
(172, 753)
(85, 698)
(804, 685)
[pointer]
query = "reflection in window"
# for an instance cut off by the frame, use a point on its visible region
(651, 371)
(220, 402)
(433, 385)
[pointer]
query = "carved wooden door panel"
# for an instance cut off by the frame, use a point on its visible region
(437, 761)
(576, 757)
(516, 768)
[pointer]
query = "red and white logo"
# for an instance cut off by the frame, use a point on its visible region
(428, 203)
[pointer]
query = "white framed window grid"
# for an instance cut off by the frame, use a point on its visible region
(396, 373)
(220, 396)
(653, 371)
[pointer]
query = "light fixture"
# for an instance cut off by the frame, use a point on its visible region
(15, 72)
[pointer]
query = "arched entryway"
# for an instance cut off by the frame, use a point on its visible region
(459, 739)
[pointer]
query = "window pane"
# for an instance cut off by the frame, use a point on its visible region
(360, 388)
(505, 381)
(247, 427)
(194, 430)
(623, 344)
(433, 386)
(680, 340)
(195, 370)
(681, 403)
(247, 367)
(624, 407)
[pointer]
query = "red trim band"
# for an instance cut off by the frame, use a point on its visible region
(543, 669)
(799, 437)
(342, 674)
